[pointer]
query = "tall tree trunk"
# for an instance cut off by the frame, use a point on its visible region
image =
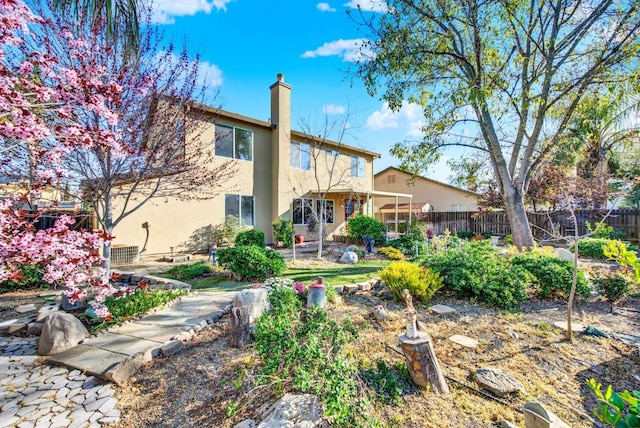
(108, 228)
(520, 228)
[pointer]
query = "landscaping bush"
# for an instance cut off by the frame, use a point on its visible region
(250, 262)
(31, 277)
(421, 282)
(283, 232)
(552, 275)
(614, 287)
(391, 253)
(475, 271)
(189, 271)
(590, 247)
(465, 234)
(308, 357)
(125, 306)
(361, 226)
(250, 237)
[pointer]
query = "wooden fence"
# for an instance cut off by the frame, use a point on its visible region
(83, 220)
(542, 224)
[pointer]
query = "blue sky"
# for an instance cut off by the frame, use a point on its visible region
(245, 43)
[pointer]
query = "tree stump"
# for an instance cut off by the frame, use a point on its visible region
(422, 362)
(239, 327)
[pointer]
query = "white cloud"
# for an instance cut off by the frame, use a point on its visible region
(333, 109)
(209, 75)
(164, 11)
(369, 5)
(409, 117)
(325, 7)
(350, 50)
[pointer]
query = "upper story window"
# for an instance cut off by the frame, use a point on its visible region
(391, 179)
(357, 167)
(332, 153)
(300, 156)
(232, 142)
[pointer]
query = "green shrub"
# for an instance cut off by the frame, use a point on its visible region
(308, 357)
(464, 234)
(618, 410)
(508, 239)
(391, 253)
(124, 307)
(387, 382)
(590, 247)
(250, 262)
(31, 277)
(361, 226)
(421, 282)
(283, 232)
(614, 287)
(189, 271)
(475, 271)
(552, 275)
(250, 237)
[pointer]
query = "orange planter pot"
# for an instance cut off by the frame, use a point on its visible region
(299, 239)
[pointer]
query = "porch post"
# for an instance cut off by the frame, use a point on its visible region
(397, 216)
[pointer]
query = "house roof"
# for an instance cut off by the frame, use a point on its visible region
(393, 168)
(297, 134)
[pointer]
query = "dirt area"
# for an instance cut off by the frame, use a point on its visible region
(200, 386)
(209, 384)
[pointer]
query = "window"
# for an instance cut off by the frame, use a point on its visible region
(332, 153)
(328, 210)
(302, 210)
(241, 207)
(357, 167)
(458, 207)
(234, 142)
(300, 156)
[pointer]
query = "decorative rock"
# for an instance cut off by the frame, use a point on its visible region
(351, 288)
(34, 328)
(256, 299)
(364, 286)
(25, 308)
(536, 416)
(172, 347)
(349, 257)
(507, 424)
(575, 327)
(46, 310)
(498, 382)
(61, 331)
(351, 248)
(295, 411)
(442, 309)
(380, 313)
(339, 288)
(563, 254)
(465, 341)
(66, 305)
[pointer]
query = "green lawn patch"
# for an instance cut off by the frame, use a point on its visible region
(217, 283)
(340, 274)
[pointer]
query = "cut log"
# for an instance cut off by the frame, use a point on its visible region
(239, 327)
(422, 363)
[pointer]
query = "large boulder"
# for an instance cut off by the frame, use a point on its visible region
(256, 299)
(351, 248)
(349, 257)
(295, 411)
(498, 382)
(563, 254)
(61, 331)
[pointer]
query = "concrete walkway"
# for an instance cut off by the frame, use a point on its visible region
(119, 353)
(35, 394)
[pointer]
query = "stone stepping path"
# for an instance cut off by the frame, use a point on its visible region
(39, 395)
(119, 353)
(35, 395)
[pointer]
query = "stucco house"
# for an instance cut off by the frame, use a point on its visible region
(281, 173)
(428, 194)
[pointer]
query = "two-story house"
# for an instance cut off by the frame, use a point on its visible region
(281, 173)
